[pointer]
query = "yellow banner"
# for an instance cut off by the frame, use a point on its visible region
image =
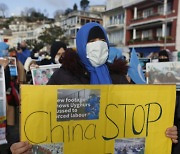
(96, 119)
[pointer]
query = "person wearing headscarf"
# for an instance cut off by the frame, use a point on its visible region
(163, 56)
(56, 52)
(92, 47)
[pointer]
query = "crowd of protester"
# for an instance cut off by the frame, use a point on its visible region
(92, 63)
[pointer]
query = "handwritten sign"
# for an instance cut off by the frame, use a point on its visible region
(95, 119)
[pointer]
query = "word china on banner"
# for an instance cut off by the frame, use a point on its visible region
(98, 118)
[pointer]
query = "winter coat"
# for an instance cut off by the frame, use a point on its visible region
(65, 77)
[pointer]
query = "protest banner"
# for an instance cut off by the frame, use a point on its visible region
(98, 118)
(42, 74)
(2, 107)
(163, 73)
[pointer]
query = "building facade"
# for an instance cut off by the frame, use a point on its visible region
(73, 22)
(152, 25)
(23, 31)
(97, 8)
(114, 22)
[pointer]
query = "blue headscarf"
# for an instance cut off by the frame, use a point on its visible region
(98, 75)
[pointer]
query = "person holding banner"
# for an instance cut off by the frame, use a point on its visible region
(92, 43)
(93, 50)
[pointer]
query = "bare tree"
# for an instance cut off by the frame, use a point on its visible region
(3, 9)
(28, 11)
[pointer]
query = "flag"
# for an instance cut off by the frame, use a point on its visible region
(3, 48)
(135, 71)
(114, 53)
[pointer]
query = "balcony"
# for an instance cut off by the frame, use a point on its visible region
(114, 25)
(158, 40)
(153, 18)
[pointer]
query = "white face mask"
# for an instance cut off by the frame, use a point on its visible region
(97, 52)
(56, 59)
(36, 55)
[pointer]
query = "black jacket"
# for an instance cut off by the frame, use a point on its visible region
(64, 77)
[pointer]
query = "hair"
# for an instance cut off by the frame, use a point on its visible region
(119, 66)
(163, 53)
(55, 48)
(96, 32)
(72, 63)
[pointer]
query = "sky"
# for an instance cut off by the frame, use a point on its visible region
(16, 6)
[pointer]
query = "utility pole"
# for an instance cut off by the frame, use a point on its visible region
(165, 14)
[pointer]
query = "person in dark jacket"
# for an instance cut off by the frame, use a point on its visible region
(70, 72)
(92, 47)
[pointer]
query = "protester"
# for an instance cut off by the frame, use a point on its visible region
(56, 51)
(23, 52)
(92, 47)
(11, 131)
(90, 50)
(71, 71)
(163, 56)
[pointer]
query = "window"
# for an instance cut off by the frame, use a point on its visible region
(111, 20)
(82, 21)
(168, 31)
(147, 12)
(169, 8)
(139, 14)
(160, 9)
(116, 37)
(147, 34)
(30, 34)
(159, 32)
(117, 19)
(138, 35)
(121, 18)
